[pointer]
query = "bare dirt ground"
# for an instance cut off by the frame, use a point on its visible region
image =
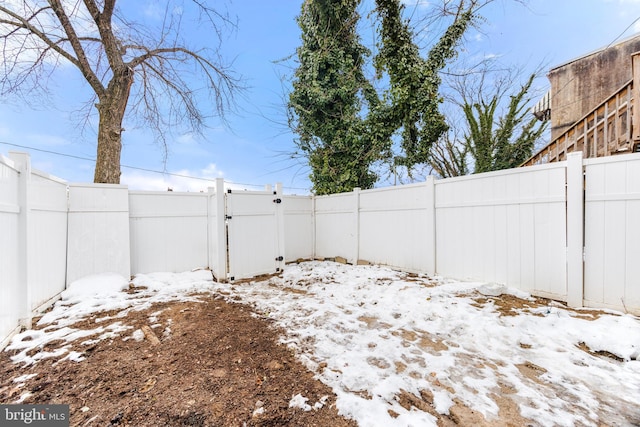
(220, 367)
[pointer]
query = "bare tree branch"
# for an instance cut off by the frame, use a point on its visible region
(81, 60)
(165, 77)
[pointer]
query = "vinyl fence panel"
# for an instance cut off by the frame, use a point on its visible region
(47, 246)
(336, 219)
(507, 227)
(612, 233)
(299, 227)
(98, 230)
(168, 231)
(396, 227)
(10, 286)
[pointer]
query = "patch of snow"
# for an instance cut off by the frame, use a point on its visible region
(23, 378)
(138, 335)
(320, 403)
(74, 356)
(24, 396)
(299, 401)
(492, 289)
(166, 333)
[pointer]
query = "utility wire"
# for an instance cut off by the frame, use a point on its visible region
(139, 168)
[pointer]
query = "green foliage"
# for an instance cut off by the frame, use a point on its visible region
(506, 142)
(329, 92)
(343, 124)
(414, 81)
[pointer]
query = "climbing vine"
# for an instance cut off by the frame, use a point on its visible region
(343, 124)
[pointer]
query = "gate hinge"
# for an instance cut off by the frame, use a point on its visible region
(280, 258)
(277, 200)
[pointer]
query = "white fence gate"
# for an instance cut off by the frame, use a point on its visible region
(255, 233)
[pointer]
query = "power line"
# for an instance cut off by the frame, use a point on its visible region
(624, 31)
(137, 167)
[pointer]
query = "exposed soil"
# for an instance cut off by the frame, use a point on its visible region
(220, 366)
(217, 363)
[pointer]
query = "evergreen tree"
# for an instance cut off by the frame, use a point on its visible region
(504, 142)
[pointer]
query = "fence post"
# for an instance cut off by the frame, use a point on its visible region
(281, 250)
(22, 162)
(313, 227)
(218, 244)
(356, 225)
(575, 230)
(430, 218)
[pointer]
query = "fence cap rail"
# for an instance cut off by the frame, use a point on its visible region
(8, 162)
(50, 177)
(95, 185)
(612, 159)
(505, 172)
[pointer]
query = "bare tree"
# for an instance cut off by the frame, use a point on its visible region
(148, 72)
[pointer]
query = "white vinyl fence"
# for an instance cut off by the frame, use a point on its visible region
(568, 230)
(396, 227)
(612, 233)
(47, 238)
(168, 231)
(98, 230)
(505, 227)
(299, 228)
(12, 300)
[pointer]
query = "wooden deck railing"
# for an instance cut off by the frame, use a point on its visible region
(610, 128)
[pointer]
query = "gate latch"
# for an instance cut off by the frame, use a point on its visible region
(280, 258)
(277, 200)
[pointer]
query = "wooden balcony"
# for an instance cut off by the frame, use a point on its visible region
(610, 128)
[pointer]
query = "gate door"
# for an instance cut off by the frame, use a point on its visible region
(253, 233)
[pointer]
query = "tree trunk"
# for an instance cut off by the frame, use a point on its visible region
(111, 109)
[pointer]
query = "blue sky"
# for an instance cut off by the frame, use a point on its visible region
(252, 150)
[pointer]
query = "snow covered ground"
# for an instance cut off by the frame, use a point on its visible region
(377, 336)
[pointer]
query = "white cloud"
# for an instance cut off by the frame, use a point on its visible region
(186, 138)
